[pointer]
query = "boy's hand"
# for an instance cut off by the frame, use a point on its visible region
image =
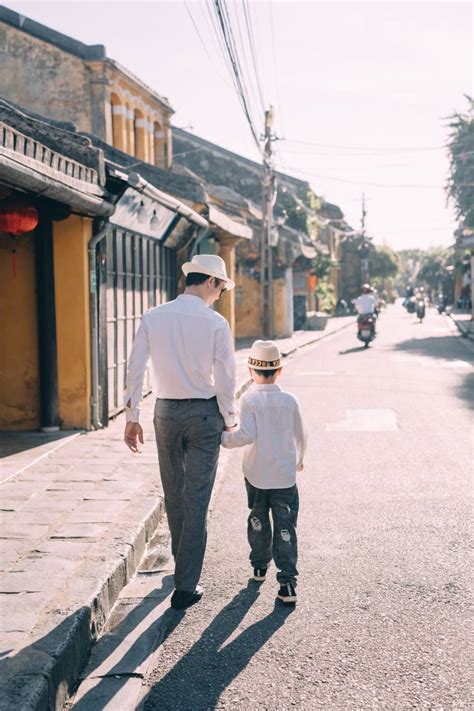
(300, 467)
(133, 435)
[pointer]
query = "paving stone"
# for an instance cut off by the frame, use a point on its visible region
(66, 548)
(79, 530)
(28, 531)
(43, 564)
(30, 582)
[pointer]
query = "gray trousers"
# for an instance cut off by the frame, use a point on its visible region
(188, 435)
(282, 543)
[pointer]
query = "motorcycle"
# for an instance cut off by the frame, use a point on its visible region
(366, 329)
(420, 309)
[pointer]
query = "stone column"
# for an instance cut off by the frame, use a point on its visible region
(226, 304)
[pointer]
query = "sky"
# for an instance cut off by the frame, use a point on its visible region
(361, 91)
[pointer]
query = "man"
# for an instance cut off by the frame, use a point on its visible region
(365, 303)
(192, 357)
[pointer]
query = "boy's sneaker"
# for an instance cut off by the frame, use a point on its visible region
(287, 593)
(259, 574)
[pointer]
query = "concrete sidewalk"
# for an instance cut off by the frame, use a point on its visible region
(75, 524)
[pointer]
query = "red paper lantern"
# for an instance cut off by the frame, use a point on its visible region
(17, 216)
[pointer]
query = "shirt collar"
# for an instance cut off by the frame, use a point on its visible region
(270, 386)
(191, 297)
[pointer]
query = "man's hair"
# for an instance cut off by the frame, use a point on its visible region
(266, 373)
(195, 278)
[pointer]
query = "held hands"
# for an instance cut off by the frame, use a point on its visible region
(133, 435)
(300, 467)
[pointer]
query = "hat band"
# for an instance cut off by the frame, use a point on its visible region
(265, 363)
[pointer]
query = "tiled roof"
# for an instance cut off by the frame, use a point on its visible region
(182, 186)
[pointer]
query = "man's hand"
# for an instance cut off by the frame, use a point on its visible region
(300, 467)
(229, 429)
(133, 435)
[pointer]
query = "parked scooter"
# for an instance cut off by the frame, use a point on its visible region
(366, 328)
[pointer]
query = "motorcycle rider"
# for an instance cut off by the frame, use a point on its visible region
(365, 303)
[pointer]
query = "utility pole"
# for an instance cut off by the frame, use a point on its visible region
(266, 256)
(364, 262)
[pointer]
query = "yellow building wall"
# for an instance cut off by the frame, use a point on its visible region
(19, 368)
(247, 307)
(44, 78)
(71, 238)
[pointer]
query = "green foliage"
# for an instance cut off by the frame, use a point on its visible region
(321, 265)
(326, 296)
(461, 178)
(384, 263)
(436, 267)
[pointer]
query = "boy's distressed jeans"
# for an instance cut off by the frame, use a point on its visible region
(282, 545)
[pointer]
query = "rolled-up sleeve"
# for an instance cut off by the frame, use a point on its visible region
(225, 374)
(136, 368)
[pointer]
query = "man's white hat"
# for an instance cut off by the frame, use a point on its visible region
(210, 264)
(264, 355)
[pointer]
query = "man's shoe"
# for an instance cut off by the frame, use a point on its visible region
(181, 599)
(287, 593)
(259, 574)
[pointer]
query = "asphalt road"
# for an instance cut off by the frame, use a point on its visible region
(382, 618)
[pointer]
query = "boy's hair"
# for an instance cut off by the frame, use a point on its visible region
(266, 373)
(195, 278)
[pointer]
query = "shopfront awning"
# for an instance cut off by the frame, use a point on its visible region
(226, 223)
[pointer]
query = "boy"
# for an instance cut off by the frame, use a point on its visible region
(272, 427)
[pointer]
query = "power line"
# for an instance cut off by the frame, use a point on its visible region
(364, 183)
(253, 52)
(201, 40)
(366, 148)
(227, 34)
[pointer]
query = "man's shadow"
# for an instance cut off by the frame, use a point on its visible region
(198, 679)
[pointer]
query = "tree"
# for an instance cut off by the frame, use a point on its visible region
(437, 270)
(384, 264)
(461, 178)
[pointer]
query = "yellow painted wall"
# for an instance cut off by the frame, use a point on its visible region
(247, 307)
(71, 238)
(19, 399)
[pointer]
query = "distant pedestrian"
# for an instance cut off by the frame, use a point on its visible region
(192, 357)
(272, 430)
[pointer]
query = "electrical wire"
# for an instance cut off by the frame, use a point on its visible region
(253, 52)
(373, 149)
(227, 34)
(212, 60)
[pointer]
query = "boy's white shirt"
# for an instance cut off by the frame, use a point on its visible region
(272, 428)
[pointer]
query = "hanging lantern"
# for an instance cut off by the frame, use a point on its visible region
(17, 216)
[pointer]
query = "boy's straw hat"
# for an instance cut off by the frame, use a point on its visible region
(264, 355)
(210, 264)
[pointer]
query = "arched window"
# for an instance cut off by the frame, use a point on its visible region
(139, 130)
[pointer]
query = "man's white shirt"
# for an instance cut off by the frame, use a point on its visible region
(192, 356)
(365, 304)
(272, 427)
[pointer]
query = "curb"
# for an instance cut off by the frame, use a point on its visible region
(465, 332)
(41, 676)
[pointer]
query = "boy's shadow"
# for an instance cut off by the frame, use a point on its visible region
(198, 679)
